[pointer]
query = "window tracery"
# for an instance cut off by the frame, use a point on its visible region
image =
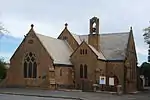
(30, 65)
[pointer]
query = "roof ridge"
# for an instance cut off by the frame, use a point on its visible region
(107, 33)
(115, 33)
(49, 37)
(45, 35)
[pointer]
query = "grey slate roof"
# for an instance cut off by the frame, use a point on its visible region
(113, 45)
(59, 50)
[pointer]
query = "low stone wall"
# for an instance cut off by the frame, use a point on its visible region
(64, 86)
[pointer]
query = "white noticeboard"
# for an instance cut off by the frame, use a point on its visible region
(102, 80)
(111, 81)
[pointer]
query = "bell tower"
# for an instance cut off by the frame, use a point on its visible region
(94, 37)
(94, 25)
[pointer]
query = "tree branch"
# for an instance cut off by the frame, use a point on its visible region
(147, 35)
(2, 30)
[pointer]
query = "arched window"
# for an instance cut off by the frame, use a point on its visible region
(30, 69)
(65, 37)
(81, 71)
(94, 27)
(30, 66)
(81, 51)
(85, 51)
(60, 72)
(25, 69)
(34, 70)
(85, 71)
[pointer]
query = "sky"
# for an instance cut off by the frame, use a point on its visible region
(49, 17)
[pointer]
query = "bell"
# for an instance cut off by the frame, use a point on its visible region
(94, 29)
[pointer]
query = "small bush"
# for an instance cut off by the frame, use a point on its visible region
(3, 70)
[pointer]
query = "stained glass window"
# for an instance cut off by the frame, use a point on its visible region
(30, 70)
(85, 71)
(30, 66)
(25, 70)
(81, 71)
(34, 70)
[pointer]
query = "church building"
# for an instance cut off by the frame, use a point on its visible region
(74, 61)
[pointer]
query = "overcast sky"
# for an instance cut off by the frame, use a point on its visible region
(49, 16)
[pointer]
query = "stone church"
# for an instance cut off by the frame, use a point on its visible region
(74, 61)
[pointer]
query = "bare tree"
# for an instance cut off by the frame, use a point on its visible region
(147, 35)
(2, 30)
(147, 39)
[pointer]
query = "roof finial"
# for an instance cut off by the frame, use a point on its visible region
(66, 25)
(131, 28)
(32, 25)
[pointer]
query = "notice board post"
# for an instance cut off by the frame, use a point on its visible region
(102, 81)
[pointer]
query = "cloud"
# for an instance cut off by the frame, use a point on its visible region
(142, 50)
(49, 17)
(22, 28)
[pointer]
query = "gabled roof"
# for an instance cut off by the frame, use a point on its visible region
(99, 55)
(59, 50)
(113, 45)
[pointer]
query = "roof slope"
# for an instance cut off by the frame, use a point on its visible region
(59, 50)
(113, 46)
(99, 54)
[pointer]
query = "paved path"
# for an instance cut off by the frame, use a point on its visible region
(17, 97)
(60, 95)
